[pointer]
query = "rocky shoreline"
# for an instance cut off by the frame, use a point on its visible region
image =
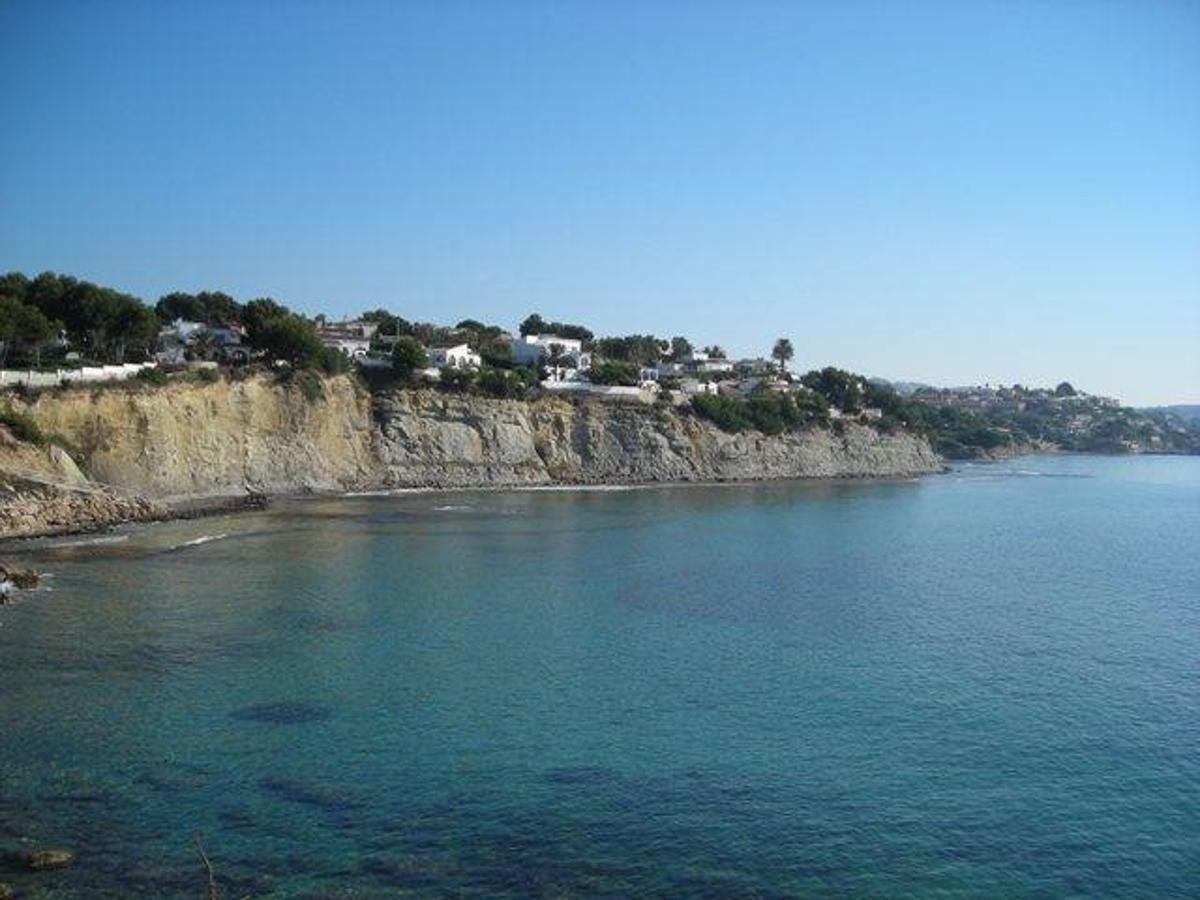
(192, 450)
(44, 514)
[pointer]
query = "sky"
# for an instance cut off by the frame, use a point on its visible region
(945, 192)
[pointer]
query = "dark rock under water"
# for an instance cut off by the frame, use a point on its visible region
(283, 712)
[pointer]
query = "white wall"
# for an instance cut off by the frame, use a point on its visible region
(85, 375)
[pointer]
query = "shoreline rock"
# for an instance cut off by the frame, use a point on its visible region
(19, 577)
(41, 510)
(47, 858)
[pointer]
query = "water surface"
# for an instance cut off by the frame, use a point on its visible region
(982, 683)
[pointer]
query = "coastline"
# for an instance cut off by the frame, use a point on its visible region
(186, 507)
(190, 450)
(195, 450)
(182, 509)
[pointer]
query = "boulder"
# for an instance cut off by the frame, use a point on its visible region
(48, 858)
(6, 891)
(21, 578)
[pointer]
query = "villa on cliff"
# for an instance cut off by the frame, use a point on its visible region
(352, 336)
(564, 358)
(532, 349)
(460, 356)
(183, 341)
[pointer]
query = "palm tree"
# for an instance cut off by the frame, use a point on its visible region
(203, 345)
(783, 353)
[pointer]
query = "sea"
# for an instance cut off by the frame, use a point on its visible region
(981, 683)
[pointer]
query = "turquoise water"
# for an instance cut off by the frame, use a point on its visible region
(984, 683)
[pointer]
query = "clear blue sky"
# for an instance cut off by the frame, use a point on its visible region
(951, 192)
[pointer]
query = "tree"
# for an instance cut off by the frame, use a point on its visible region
(714, 352)
(614, 371)
(219, 308)
(281, 334)
(476, 333)
(513, 383)
(407, 357)
(257, 313)
(841, 388)
(290, 338)
(209, 307)
(178, 305)
(22, 326)
(100, 322)
(533, 324)
(1065, 389)
(497, 352)
(14, 284)
(203, 347)
(644, 349)
(680, 347)
(782, 353)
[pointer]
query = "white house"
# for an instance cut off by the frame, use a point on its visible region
(353, 347)
(690, 387)
(460, 356)
(352, 337)
(531, 349)
(697, 362)
(759, 366)
(701, 363)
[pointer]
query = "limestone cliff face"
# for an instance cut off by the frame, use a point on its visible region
(190, 440)
(227, 437)
(430, 439)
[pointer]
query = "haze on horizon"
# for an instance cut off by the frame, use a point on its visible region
(930, 191)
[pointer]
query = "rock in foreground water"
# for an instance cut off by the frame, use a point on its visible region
(25, 579)
(49, 858)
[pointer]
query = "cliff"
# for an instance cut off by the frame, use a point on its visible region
(190, 440)
(42, 489)
(430, 439)
(226, 437)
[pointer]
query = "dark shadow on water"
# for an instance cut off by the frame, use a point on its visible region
(283, 712)
(325, 799)
(581, 775)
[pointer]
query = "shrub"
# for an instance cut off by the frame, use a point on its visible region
(770, 412)
(407, 357)
(311, 385)
(724, 412)
(154, 377)
(22, 425)
(333, 361)
(455, 380)
(504, 383)
(615, 371)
